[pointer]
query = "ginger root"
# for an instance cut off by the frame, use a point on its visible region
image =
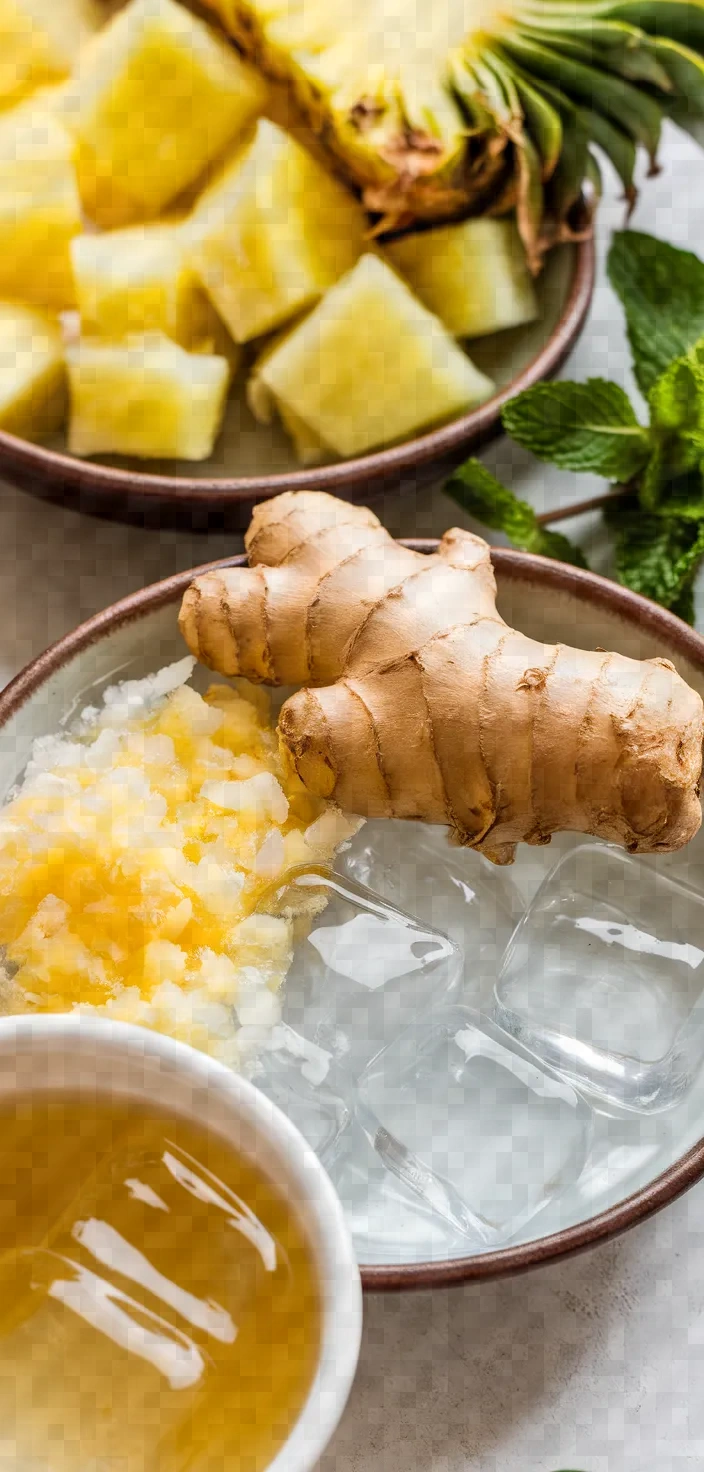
(427, 705)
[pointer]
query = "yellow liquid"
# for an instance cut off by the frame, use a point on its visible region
(159, 1309)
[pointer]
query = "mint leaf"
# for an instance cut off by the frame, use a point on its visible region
(662, 292)
(676, 398)
(479, 493)
(656, 555)
(580, 426)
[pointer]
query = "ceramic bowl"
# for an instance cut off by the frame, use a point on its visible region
(623, 1182)
(252, 462)
(97, 1059)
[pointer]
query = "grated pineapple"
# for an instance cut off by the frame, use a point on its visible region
(157, 96)
(146, 396)
(136, 852)
(40, 209)
(273, 233)
(139, 280)
(41, 41)
(32, 372)
(473, 276)
(370, 365)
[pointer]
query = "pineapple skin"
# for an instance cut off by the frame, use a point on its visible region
(272, 234)
(145, 397)
(370, 365)
(404, 172)
(474, 276)
(158, 96)
(40, 208)
(471, 107)
(33, 399)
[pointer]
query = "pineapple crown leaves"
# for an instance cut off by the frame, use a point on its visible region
(569, 74)
(657, 522)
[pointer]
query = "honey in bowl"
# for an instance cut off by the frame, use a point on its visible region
(159, 1305)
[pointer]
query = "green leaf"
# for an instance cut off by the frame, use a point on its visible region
(580, 426)
(479, 493)
(677, 397)
(655, 555)
(662, 291)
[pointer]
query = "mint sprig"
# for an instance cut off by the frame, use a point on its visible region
(480, 494)
(657, 523)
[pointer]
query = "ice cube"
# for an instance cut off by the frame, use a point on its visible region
(472, 1125)
(453, 889)
(389, 1223)
(306, 1084)
(604, 976)
(361, 971)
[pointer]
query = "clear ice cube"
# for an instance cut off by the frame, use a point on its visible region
(473, 1126)
(389, 1223)
(361, 971)
(604, 976)
(304, 1081)
(453, 889)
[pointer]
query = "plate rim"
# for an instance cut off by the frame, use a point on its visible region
(117, 493)
(684, 1172)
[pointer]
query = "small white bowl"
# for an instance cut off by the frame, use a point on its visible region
(95, 1058)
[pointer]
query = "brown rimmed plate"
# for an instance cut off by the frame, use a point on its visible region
(663, 1155)
(252, 462)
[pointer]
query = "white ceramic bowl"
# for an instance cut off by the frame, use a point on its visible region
(96, 1058)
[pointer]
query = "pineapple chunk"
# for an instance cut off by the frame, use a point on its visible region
(370, 365)
(40, 211)
(41, 40)
(473, 276)
(273, 233)
(158, 95)
(145, 397)
(309, 449)
(32, 372)
(136, 281)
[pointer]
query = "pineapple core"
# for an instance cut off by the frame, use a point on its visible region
(157, 96)
(145, 396)
(370, 365)
(273, 233)
(136, 855)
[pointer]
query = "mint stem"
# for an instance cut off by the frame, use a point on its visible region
(565, 513)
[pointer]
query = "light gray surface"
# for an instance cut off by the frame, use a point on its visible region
(596, 1364)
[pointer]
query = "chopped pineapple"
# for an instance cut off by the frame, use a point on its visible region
(309, 449)
(145, 397)
(473, 276)
(137, 281)
(273, 233)
(157, 97)
(41, 40)
(32, 372)
(40, 211)
(370, 365)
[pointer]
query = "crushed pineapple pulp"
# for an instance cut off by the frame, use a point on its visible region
(135, 853)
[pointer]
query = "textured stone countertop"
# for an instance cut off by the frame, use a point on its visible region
(596, 1364)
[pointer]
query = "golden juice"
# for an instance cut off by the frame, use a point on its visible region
(159, 1308)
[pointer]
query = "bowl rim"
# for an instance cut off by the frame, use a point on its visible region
(47, 473)
(520, 566)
